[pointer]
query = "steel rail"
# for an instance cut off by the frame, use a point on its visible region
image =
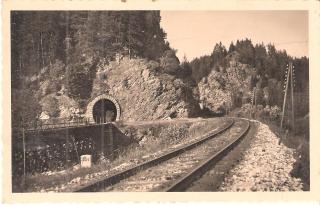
(182, 183)
(115, 178)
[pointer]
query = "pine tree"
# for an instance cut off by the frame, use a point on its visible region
(186, 68)
(231, 48)
(246, 51)
(155, 37)
(260, 58)
(218, 54)
(136, 33)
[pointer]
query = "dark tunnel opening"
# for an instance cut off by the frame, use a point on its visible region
(104, 111)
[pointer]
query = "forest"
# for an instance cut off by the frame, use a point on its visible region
(39, 39)
(61, 60)
(64, 48)
(269, 66)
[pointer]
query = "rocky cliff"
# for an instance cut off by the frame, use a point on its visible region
(224, 86)
(144, 91)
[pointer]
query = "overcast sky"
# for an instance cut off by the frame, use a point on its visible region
(195, 33)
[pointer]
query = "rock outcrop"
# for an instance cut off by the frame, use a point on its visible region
(144, 91)
(228, 86)
(212, 93)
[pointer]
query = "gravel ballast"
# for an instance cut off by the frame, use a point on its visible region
(265, 166)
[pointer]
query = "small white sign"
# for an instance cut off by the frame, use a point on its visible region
(85, 161)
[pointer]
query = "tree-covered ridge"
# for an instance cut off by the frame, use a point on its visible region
(40, 38)
(56, 57)
(268, 62)
(254, 66)
(55, 54)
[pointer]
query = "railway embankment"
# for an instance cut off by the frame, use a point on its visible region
(265, 166)
(152, 139)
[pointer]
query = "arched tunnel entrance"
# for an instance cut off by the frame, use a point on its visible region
(104, 111)
(103, 108)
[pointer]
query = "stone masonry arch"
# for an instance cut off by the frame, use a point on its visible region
(91, 104)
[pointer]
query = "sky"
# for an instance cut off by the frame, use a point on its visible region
(194, 33)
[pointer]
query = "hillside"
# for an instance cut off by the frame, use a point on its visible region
(226, 79)
(221, 90)
(148, 90)
(144, 91)
(54, 65)
(68, 58)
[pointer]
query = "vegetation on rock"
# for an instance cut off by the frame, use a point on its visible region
(164, 96)
(58, 52)
(83, 54)
(229, 77)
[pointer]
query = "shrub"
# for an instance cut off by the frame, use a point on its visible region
(57, 70)
(170, 63)
(245, 110)
(275, 112)
(153, 66)
(79, 84)
(51, 106)
(50, 87)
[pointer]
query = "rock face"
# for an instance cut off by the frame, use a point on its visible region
(265, 166)
(66, 107)
(212, 93)
(144, 91)
(227, 86)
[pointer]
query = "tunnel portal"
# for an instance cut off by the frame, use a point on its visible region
(102, 109)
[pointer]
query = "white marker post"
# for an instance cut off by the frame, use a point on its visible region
(85, 161)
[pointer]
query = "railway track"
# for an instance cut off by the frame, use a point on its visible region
(175, 170)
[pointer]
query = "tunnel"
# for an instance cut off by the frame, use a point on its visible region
(104, 110)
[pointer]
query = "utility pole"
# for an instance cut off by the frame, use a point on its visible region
(252, 101)
(289, 77)
(22, 124)
(255, 102)
(285, 94)
(67, 41)
(292, 97)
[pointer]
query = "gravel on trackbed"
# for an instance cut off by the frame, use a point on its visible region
(265, 166)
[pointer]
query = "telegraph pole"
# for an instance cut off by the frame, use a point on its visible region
(22, 124)
(285, 93)
(289, 77)
(292, 97)
(68, 45)
(253, 99)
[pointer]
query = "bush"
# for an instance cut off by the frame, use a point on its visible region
(79, 84)
(57, 70)
(153, 66)
(246, 110)
(50, 105)
(302, 165)
(170, 63)
(51, 87)
(275, 113)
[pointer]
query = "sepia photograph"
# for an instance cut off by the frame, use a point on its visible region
(159, 99)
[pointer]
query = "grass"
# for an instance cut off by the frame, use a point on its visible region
(158, 138)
